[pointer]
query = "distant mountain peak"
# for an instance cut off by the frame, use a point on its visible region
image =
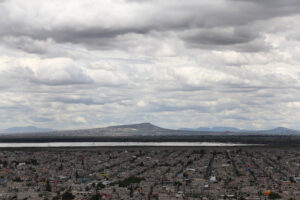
(141, 129)
(281, 128)
(145, 125)
(25, 129)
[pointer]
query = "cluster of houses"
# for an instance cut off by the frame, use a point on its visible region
(150, 173)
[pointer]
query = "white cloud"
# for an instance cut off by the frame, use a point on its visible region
(93, 63)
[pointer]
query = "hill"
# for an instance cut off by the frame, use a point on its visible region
(214, 129)
(276, 131)
(25, 129)
(142, 130)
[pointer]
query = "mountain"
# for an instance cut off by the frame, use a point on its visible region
(142, 126)
(214, 129)
(277, 131)
(25, 129)
(143, 129)
(140, 130)
(221, 130)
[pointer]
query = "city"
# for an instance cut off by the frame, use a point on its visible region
(150, 173)
(149, 100)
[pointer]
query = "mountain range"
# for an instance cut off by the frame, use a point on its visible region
(142, 129)
(25, 129)
(213, 129)
(221, 129)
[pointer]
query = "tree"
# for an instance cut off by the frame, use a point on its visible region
(274, 195)
(96, 197)
(48, 186)
(61, 167)
(17, 179)
(100, 186)
(68, 196)
(76, 175)
(130, 180)
(292, 180)
(5, 163)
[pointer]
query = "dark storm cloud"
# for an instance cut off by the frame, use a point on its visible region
(91, 37)
(222, 36)
(236, 38)
(217, 23)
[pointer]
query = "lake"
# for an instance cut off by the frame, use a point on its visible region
(121, 144)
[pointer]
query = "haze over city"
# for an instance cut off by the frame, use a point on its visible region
(176, 64)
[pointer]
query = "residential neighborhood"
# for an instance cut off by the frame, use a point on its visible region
(150, 173)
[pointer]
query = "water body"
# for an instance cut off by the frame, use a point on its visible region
(121, 144)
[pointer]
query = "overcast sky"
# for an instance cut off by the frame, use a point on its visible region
(80, 64)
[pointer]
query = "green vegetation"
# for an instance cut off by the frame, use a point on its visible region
(274, 195)
(48, 186)
(68, 196)
(95, 197)
(130, 180)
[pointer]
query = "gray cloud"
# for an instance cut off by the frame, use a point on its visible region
(224, 36)
(69, 76)
(86, 101)
(26, 44)
(234, 38)
(52, 76)
(41, 119)
(176, 64)
(219, 23)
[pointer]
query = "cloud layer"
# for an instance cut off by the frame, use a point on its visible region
(80, 64)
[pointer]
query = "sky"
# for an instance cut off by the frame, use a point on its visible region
(82, 64)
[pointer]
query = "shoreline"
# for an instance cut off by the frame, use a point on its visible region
(135, 148)
(121, 144)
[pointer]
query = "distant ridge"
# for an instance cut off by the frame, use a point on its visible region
(25, 129)
(275, 131)
(214, 129)
(280, 131)
(141, 129)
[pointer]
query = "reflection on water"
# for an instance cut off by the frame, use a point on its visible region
(121, 144)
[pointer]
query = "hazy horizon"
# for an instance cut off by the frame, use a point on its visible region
(177, 64)
(29, 128)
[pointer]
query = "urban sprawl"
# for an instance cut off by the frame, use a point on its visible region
(150, 173)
